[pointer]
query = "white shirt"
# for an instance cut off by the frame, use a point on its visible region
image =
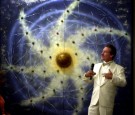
(104, 69)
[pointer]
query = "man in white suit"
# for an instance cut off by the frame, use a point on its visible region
(106, 76)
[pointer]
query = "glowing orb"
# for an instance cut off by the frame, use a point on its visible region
(63, 60)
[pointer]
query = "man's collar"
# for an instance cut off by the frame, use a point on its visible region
(107, 63)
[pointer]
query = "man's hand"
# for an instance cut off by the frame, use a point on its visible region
(90, 74)
(108, 75)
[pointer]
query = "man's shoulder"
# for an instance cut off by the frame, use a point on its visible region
(118, 65)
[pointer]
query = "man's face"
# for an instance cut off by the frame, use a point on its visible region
(106, 55)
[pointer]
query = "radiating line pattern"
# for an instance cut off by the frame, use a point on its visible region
(53, 30)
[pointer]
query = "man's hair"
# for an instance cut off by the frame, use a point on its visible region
(113, 50)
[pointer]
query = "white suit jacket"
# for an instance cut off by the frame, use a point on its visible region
(105, 92)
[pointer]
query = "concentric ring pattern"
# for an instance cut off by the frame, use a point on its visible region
(50, 47)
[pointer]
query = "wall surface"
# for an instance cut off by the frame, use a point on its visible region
(48, 45)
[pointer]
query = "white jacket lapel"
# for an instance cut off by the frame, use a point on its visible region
(97, 71)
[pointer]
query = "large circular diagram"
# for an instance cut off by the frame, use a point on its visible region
(52, 44)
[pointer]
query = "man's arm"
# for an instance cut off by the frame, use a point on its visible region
(88, 76)
(119, 78)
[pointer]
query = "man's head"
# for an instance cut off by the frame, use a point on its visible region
(108, 53)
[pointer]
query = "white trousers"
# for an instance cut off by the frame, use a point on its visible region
(99, 110)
